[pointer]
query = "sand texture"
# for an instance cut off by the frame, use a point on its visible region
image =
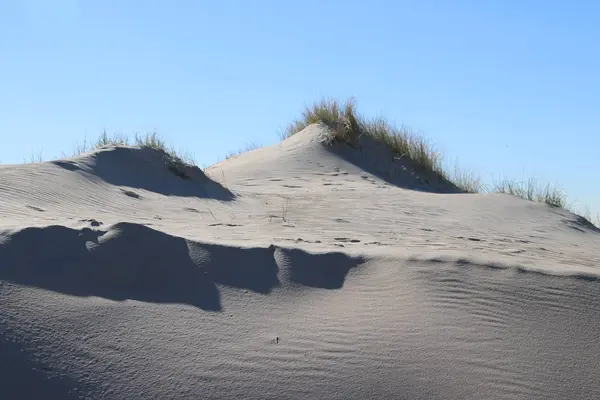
(295, 271)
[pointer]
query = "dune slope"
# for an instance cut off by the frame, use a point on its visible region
(295, 271)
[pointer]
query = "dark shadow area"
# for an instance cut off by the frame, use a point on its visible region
(581, 224)
(325, 271)
(588, 277)
(67, 164)
(254, 269)
(464, 263)
(376, 159)
(127, 262)
(150, 170)
(131, 261)
(23, 378)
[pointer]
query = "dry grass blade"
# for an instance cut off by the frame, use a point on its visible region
(341, 118)
(346, 124)
(174, 159)
(530, 190)
(249, 146)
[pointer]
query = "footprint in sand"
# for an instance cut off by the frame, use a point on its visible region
(131, 194)
(222, 224)
(472, 239)
(347, 240)
(341, 220)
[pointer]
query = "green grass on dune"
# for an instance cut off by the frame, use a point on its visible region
(148, 140)
(530, 190)
(345, 125)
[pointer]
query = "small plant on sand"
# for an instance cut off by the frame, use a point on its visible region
(117, 140)
(103, 140)
(175, 161)
(346, 125)
(153, 141)
(468, 181)
(34, 158)
(149, 140)
(530, 190)
(249, 146)
(341, 118)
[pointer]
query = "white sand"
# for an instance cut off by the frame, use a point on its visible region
(320, 275)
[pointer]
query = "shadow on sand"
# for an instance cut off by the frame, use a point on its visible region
(147, 169)
(132, 261)
(324, 271)
(376, 159)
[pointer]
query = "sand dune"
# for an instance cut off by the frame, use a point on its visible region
(295, 271)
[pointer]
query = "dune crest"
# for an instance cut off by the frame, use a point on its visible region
(145, 168)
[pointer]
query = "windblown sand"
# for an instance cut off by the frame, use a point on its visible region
(296, 271)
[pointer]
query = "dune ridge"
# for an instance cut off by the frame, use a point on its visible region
(307, 269)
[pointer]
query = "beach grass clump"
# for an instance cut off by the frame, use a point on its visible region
(148, 140)
(531, 190)
(346, 125)
(175, 161)
(153, 141)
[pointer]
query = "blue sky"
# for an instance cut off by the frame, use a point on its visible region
(506, 88)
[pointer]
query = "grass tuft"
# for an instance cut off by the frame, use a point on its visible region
(149, 140)
(116, 139)
(530, 190)
(468, 181)
(176, 161)
(341, 118)
(153, 141)
(249, 146)
(346, 125)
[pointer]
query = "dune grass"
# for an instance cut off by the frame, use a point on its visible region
(341, 118)
(587, 215)
(468, 181)
(175, 161)
(531, 190)
(148, 140)
(346, 125)
(248, 146)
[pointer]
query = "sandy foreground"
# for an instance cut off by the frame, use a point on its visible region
(296, 271)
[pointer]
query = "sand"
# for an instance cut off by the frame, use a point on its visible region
(295, 271)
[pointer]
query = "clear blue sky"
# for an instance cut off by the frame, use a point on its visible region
(507, 88)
